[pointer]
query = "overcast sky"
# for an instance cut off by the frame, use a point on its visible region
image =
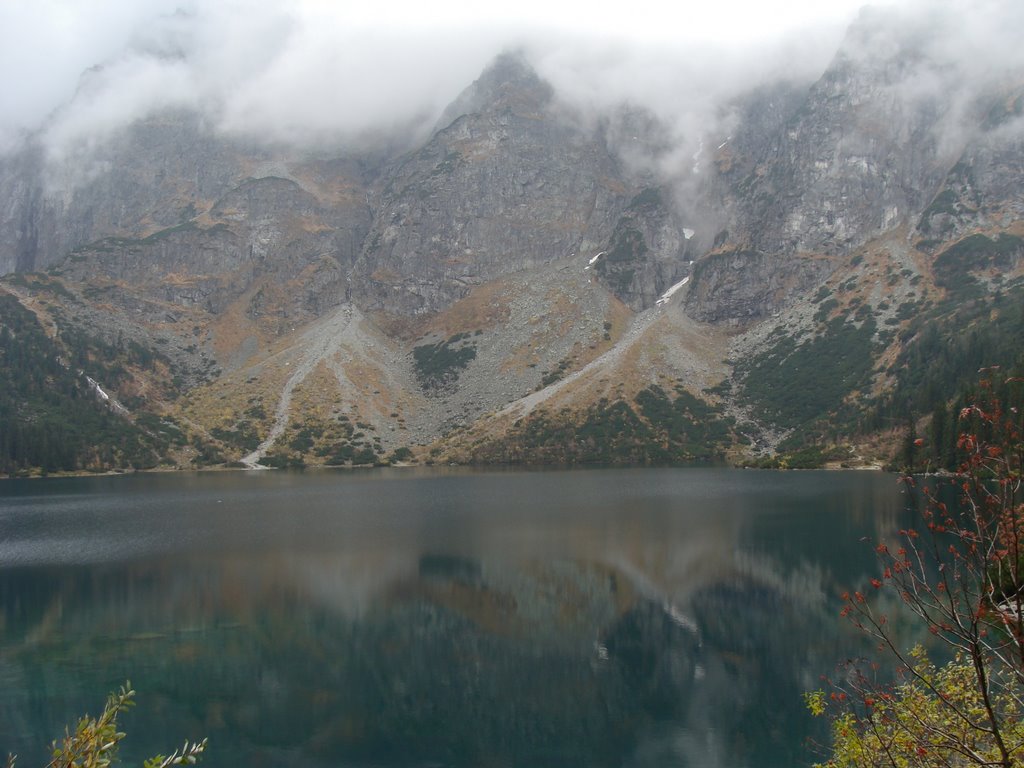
(331, 70)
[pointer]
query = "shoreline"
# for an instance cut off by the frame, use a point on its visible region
(829, 467)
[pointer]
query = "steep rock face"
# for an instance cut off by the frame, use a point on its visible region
(982, 190)
(737, 286)
(267, 230)
(21, 205)
(757, 119)
(647, 252)
(506, 185)
(857, 157)
(190, 217)
(151, 176)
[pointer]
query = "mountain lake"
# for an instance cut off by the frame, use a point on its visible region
(437, 617)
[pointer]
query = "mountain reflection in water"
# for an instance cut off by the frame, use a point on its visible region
(603, 618)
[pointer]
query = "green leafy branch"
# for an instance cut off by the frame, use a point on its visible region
(95, 740)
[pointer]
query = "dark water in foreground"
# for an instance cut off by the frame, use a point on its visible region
(413, 618)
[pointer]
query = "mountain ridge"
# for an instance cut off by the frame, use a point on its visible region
(500, 287)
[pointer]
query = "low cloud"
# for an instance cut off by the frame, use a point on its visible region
(687, 90)
(113, 96)
(950, 59)
(304, 72)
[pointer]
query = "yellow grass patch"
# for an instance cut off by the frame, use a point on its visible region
(485, 307)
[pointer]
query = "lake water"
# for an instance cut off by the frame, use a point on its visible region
(436, 618)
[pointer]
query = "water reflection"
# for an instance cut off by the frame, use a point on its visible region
(591, 618)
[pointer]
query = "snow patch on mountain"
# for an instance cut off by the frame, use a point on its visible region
(663, 299)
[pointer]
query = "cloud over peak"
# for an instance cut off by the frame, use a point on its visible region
(324, 73)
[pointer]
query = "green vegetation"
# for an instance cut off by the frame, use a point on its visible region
(825, 309)
(94, 742)
(917, 723)
(400, 454)
(795, 384)
(942, 353)
(243, 435)
(802, 456)
(657, 429)
(975, 253)
(334, 443)
(50, 416)
(960, 573)
(940, 446)
(550, 377)
(822, 387)
(438, 365)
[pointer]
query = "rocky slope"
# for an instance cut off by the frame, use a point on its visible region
(509, 290)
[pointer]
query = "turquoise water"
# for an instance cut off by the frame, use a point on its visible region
(432, 618)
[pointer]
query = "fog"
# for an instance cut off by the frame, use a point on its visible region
(317, 73)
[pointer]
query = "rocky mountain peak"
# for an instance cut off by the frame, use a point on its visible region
(508, 84)
(881, 42)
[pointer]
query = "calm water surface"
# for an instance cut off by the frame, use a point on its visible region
(432, 618)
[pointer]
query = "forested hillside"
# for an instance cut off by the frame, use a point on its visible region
(53, 418)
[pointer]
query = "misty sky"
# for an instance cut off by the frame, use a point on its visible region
(328, 71)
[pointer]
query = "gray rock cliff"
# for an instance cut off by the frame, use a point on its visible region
(508, 184)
